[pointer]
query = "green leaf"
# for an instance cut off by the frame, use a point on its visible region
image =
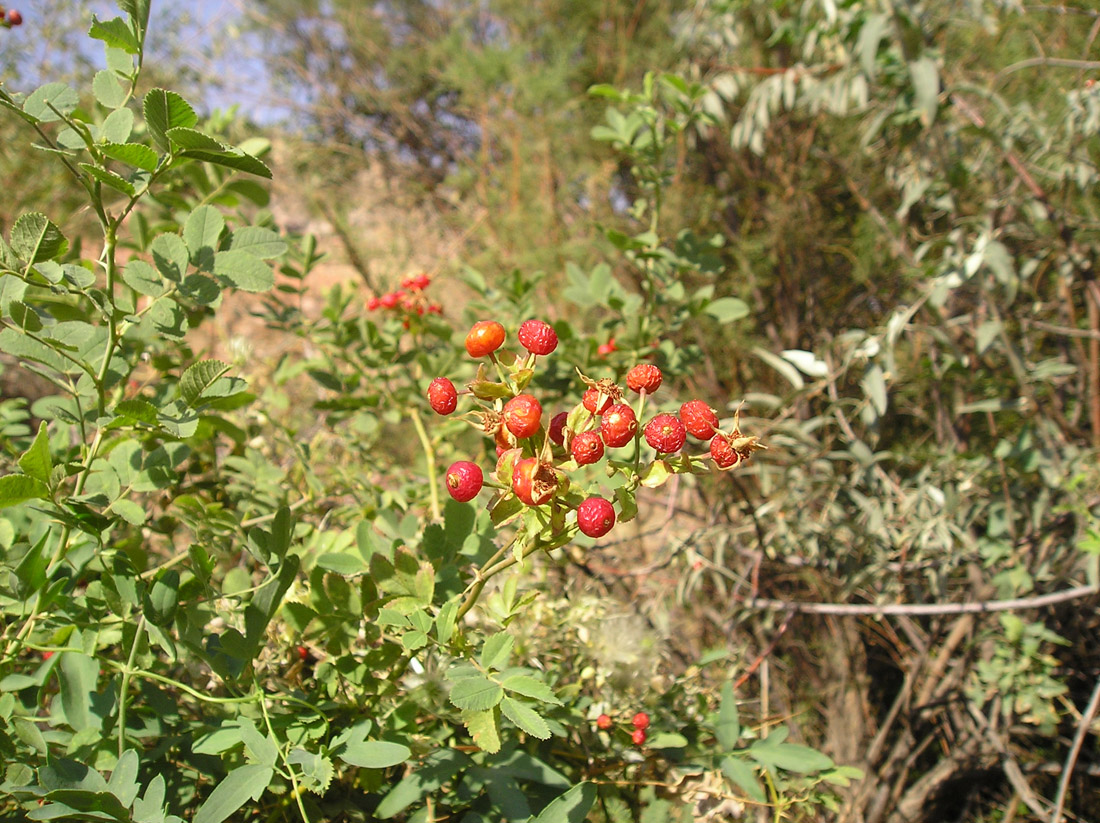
(137, 410)
(109, 178)
(240, 785)
(77, 674)
(484, 728)
(143, 278)
(15, 488)
(571, 807)
(439, 767)
(43, 101)
(107, 90)
(530, 687)
(34, 238)
(244, 271)
(727, 309)
(728, 727)
(170, 256)
(926, 88)
(132, 154)
(36, 461)
(496, 651)
(118, 126)
(123, 783)
(232, 159)
(163, 599)
(115, 33)
(260, 748)
(129, 511)
(375, 754)
(199, 377)
(790, 756)
(201, 233)
(476, 693)
(342, 563)
(24, 317)
(166, 110)
(316, 770)
(742, 775)
(150, 807)
(257, 241)
(525, 717)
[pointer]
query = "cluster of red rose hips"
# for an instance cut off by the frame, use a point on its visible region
(409, 299)
(640, 722)
(11, 18)
(577, 438)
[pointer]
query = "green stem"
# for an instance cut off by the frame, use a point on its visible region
(124, 686)
(481, 577)
(296, 790)
(429, 458)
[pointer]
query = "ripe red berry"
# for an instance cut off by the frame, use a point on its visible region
(442, 396)
(586, 448)
(723, 453)
(603, 722)
(464, 480)
(638, 737)
(484, 337)
(557, 428)
(592, 397)
(303, 653)
(665, 433)
(645, 376)
(595, 516)
(14, 18)
(533, 483)
(618, 425)
(373, 304)
(537, 337)
(640, 721)
(607, 348)
(389, 300)
(522, 415)
(699, 419)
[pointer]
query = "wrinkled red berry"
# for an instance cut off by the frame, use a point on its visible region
(442, 396)
(723, 453)
(522, 415)
(618, 425)
(464, 480)
(557, 428)
(699, 419)
(533, 483)
(484, 337)
(645, 376)
(586, 448)
(537, 337)
(592, 397)
(595, 516)
(665, 433)
(603, 722)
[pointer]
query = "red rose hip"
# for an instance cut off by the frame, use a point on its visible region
(522, 415)
(645, 376)
(665, 433)
(14, 18)
(603, 722)
(699, 419)
(618, 425)
(586, 448)
(537, 337)
(484, 338)
(723, 453)
(557, 428)
(640, 721)
(595, 516)
(594, 402)
(442, 396)
(638, 736)
(533, 483)
(464, 480)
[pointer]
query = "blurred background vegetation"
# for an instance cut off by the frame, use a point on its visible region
(904, 193)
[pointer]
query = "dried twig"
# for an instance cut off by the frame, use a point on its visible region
(1074, 751)
(978, 607)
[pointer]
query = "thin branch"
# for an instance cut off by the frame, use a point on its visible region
(1061, 62)
(853, 609)
(1074, 751)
